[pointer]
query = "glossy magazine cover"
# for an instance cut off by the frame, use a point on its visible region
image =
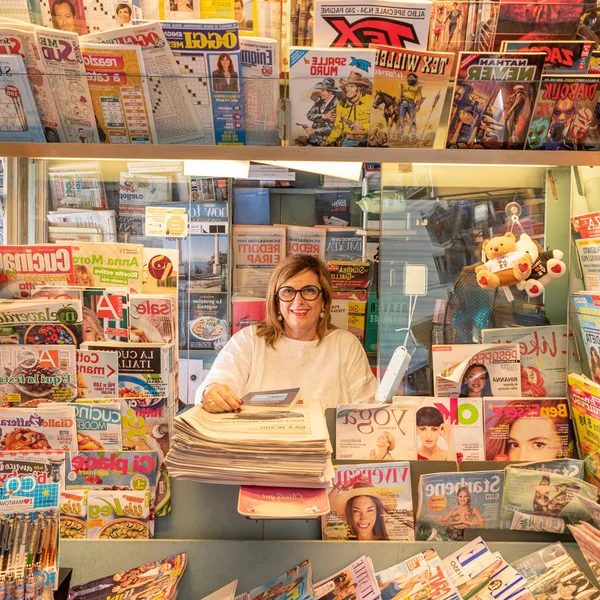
(571, 56)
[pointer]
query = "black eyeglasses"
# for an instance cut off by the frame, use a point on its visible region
(308, 292)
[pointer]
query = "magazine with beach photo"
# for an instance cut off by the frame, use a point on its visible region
(370, 502)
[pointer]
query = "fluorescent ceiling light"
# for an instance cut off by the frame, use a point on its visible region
(216, 168)
(344, 170)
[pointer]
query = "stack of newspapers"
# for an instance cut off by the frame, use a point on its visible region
(265, 446)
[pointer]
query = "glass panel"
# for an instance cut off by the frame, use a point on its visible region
(434, 224)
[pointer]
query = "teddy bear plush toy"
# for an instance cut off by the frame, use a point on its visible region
(547, 265)
(505, 264)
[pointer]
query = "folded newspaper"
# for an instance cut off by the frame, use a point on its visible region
(257, 446)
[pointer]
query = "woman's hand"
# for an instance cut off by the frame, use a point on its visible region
(220, 398)
(447, 430)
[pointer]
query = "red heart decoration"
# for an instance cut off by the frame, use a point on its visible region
(26, 500)
(523, 268)
(483, 281)
(556, 269)
(534, 289)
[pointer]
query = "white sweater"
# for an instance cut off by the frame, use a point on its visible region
(336, 371)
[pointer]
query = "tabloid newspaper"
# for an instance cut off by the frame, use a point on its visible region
(357, 23)
(120, 95)
(499, 91)
(375, 432)
(449, 503)
(527, 429)
(552, 573)
(543, 352)
(587, 307)
(357, 580)
(208, 55)
(64, 66)
(447, 428)
(257, 250)
(370, 502)
(476, 370)
(421, 576)
(296, 584)
(569, 56)
(331, 91)
(24, 43)
(410, 87)
(174, 114)
(548, 131)
(260, 69)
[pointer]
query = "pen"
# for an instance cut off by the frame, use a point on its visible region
(12, 559)
(25, 532)
(7, 541)
(33, 542)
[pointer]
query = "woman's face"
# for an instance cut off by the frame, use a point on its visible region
(300, 315)
(82, 278)
(476, 381)
(90, 332)
(225, 62)
(539, 442)
(382, 441)
(462, 498)
(123, 15)
(364, 516)
(428, 436)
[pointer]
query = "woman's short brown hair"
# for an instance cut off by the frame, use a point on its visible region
(271, 328)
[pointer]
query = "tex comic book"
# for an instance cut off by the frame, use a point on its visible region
(493, 99)
(409, 88)
(562, 56)
(564, 117)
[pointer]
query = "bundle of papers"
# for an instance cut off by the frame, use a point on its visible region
(257, 446)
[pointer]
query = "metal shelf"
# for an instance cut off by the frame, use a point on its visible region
(297, 153)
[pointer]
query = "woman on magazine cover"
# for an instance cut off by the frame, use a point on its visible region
(465, 515)
(383, 447)
(475, 382)
(295, 346)
(430, 427)
(595, 364)
(527, 438)
(92, 329)
(225, 79)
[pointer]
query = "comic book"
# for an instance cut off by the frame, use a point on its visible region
(20, 121)
(120, 95)
(587, 308)
(543, 352)
(451, 502)
(411, 579)
(564, 115)
(331, 92)
(358, 23)
(24, 43)
(359, 488)
(476, 370)
(447, 428)
(260, 69)
(525, 429)
(584, 396)
(562, 56)
(410, 87)
(174, 114)
(65, 68)
(208, 55)
(452, 28)
(493, 100)
(355, 582)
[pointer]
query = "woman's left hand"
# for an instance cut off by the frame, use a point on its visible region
(447, 429)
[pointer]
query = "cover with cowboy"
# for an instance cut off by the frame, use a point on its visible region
(493, 99)
(564, 116)
(409, 88)
(331, 91)
(450, 503)
(370, 502)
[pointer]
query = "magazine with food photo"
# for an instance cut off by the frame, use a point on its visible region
(32, 375)
(73, 514)
(447, 428)
(153, 319)
(450, 503)
(587, 308)
(357, 581)
(375, 432)
(370, 502)
(421, 576)
(208, 324)
(527, 429)
(476, 370)
(543, 352)
(98, 426)
(118, 515)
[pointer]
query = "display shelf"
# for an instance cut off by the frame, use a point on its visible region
(299, 153)
(213, 564)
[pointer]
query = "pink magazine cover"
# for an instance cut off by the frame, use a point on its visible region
(262, 502)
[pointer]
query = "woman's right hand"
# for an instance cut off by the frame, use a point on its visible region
(220, 398)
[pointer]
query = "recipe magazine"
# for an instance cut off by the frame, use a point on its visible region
(447, 428)
(357, 490)
(355, 582)
(375, 432)
(449, 503)
(526, 429)
(476, 370)
(421, 576)
(543, 353)
(97, 375)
